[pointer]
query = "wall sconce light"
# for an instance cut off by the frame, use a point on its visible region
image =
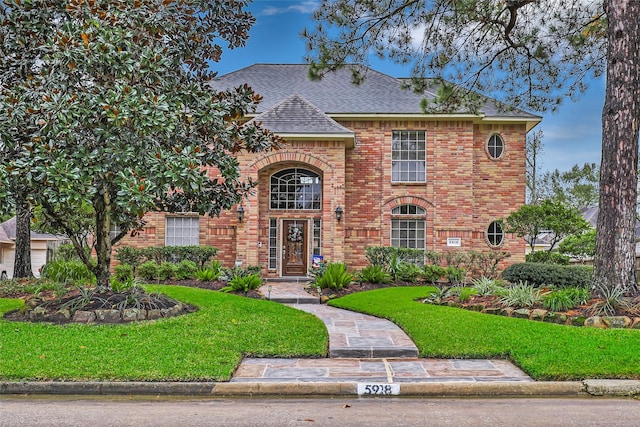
(339, 212)
(240, 212)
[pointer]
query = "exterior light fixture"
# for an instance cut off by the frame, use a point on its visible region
(339, 213)
(240, 212)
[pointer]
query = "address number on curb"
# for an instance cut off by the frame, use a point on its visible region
(378, 389)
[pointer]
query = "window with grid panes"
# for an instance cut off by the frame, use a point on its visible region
(408, 156)
(296, 189)
(182, 231)
(408, 227)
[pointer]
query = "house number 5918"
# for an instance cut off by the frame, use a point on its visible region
(378, 389)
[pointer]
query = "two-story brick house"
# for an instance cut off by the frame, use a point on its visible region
(361, 166)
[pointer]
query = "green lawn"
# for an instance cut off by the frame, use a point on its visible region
(206, 345)
(545, 351)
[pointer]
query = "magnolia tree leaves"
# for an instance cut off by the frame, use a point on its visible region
(107, 104)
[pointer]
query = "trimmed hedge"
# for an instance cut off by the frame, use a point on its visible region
(541, 274)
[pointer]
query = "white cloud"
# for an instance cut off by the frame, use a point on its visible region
(304, 7)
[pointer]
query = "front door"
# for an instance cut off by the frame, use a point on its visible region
(294, 248)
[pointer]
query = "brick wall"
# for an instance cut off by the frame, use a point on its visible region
(465, 190)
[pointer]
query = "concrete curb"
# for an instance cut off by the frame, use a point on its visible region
(430, 389)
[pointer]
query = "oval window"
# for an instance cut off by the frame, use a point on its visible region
(495, 146)
(495, 234)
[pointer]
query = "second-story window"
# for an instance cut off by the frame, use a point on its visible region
(408, 156)
(296, 189)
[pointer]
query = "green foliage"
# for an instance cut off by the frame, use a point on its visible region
(229, 273)
(211, 273)
(374, 274)
(565, 299)
(153, 127)
(577, 187)
(197, 254)
(122, 272)
(548, 257)
(167, 271)
(520, 295)
(433, 273)
(66, 252)
(612, 300)
(129, 255)
(122, 285)
(383, 255)
(335, 277)
(465, 293)
(148, 270)
(549, 216)
(246, 283)
(68, 272)
(186, 269)
(438, 295)
(579, 246)
(409, 273)
(485, 286)
(455, 275)
(539, 274)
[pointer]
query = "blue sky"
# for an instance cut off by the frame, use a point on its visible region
(572, 135)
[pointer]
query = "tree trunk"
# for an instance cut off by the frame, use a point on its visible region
(102, 206)
(22, 266)
(615, 243)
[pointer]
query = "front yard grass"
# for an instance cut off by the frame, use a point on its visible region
(544, 351)
(204, 346)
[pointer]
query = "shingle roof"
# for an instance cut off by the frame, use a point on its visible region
(296, 115)
(8, 232)
(335, 94)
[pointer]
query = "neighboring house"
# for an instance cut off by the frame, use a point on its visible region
(362, 166)
(42, 247)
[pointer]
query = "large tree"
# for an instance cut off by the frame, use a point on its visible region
(577, 187)
(531, 53)
(115, 113)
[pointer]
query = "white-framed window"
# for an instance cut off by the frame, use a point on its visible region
(316, 236)
(273, 243)
(495, 146)
(495, 233)
(114, 231)
(296, 189)
(408, 227)
(182, 231)
(408, 156)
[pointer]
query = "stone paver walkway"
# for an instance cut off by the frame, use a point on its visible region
(363, 348)
(359, 335)
(391, 370)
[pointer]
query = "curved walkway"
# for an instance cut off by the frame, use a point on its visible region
(364, 348)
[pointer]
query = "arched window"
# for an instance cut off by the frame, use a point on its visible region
(495, 234)
(296, 189)
(495, 146)
(408, 227)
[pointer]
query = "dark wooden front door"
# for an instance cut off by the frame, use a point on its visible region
(294, 248)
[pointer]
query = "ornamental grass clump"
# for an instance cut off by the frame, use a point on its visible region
(336, 276)
(374, 274)
(486, 286)
(520, 295)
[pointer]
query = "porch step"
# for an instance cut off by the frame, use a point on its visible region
(288, 293)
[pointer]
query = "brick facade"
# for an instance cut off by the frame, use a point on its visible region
(464, 191)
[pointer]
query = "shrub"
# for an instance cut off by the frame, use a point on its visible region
(123, 285)
(409, 272)
(68, 272)
(129, 255)
(249, 282)
(374, 274)
(227, 274)
(383, 255)
(148, 270)
(432, 273)
(123, 272)
(335, 277)
(186, 269)
(520, 295)
(167, 271)
(548, 257)
(66, 252)
(539, 274)
(455, 275)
